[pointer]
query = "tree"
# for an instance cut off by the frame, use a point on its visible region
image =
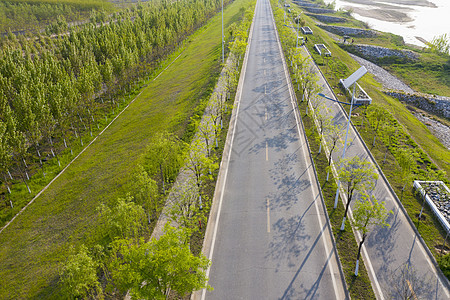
(199, 164)
(355, 175)
(334, 135)
(368, 212)
(323, 122)
(378, 115)
(390, 132)
(405, 159)
(79, 276)
(185, 209)
(150, 270)
(125, 219)
(163, 156)
(145, 191)
(205, 128)
(5, 153)
(305, 76)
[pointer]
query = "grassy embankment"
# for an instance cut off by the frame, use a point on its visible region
(35, 244)
(359, 287)
(33, 15)
(410, 133)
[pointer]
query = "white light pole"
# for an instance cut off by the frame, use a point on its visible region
(351, 80)
(223, 42)
(298, 26)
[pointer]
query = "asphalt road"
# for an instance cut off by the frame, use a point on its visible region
(272, 239)
(388, 250)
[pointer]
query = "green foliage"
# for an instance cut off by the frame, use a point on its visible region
(32, 15)
(125, 219)
(79, 276)
(145, 191)
(108, 167)
(163, 157)
(69, 77)
(356, 175)
(368, 212)
(444, 264)
(440, 44)
(150, 269)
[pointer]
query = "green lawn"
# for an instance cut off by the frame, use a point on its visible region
(35, 244)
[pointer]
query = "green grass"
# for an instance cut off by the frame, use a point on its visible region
(429, 74)
(412, 126)
(36, 243)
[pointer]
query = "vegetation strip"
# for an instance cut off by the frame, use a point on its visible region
(187, 65)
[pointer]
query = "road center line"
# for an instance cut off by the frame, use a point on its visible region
(267, 152)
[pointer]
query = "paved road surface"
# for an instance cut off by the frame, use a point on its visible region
(273, 239)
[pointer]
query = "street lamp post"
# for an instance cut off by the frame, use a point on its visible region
(223, 42)
(298, 26)
(348, 82)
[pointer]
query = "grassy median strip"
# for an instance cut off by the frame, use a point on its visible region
(35, 244)
(359, 286)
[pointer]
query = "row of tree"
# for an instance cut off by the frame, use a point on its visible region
(153, 269)
(55, 89)
(357, 176)
(31, 16)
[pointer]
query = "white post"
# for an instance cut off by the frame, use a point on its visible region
(345, 145)
(357, 268)
(223, 50)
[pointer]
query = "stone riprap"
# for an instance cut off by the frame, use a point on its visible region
(341, 30)
(376, 52)
(306, 4)
(316, 10)
(437, 105)
(327, 19)
(438, 198)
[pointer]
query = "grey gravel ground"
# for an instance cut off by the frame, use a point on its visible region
(441, 131)
(388, 80)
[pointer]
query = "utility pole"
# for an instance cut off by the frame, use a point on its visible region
(223, 42)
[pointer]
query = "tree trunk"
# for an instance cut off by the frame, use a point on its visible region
(346, 210)
(359, 254)
(162, 179)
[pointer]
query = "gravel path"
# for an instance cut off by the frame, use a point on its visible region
(388, 80)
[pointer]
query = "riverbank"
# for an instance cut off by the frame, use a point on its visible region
(417, 21)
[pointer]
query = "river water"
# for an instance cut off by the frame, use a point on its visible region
(407, 18)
